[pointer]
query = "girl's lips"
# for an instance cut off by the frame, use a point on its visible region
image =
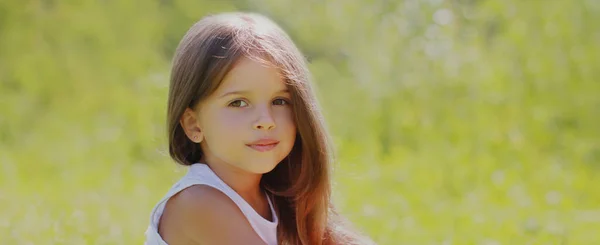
(264, 141)
(263, 147)
(264, 144)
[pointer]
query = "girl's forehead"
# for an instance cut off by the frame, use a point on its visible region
(248, 73)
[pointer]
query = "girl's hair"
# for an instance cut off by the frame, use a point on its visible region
(300, 184)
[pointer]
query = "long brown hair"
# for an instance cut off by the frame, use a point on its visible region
(300, 184)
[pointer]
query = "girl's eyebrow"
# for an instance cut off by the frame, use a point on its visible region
(242, 92)
(234, 92)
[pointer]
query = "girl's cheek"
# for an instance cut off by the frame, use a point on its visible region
(286, 117)
(232, 118)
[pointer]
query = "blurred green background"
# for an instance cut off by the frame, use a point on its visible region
(455, 122)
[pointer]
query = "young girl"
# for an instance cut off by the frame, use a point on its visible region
(243, 116)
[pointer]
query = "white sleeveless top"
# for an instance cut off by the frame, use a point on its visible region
(201, 174)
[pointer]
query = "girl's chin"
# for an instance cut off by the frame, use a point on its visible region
(263, 167)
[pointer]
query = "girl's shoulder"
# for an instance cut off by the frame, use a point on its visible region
(201, 213)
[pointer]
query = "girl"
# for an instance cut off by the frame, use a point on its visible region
(243, 116)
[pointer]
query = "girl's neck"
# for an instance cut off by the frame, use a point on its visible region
(246, 184)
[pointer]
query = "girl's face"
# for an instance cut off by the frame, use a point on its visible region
(247, 123)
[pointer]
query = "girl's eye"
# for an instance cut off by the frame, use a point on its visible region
(238, 103)
(280, 102)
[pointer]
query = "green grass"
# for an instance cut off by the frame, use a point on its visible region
(480, 130)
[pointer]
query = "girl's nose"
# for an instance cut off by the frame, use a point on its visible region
(265, 120)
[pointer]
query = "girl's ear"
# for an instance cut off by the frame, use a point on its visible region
(191, 125)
